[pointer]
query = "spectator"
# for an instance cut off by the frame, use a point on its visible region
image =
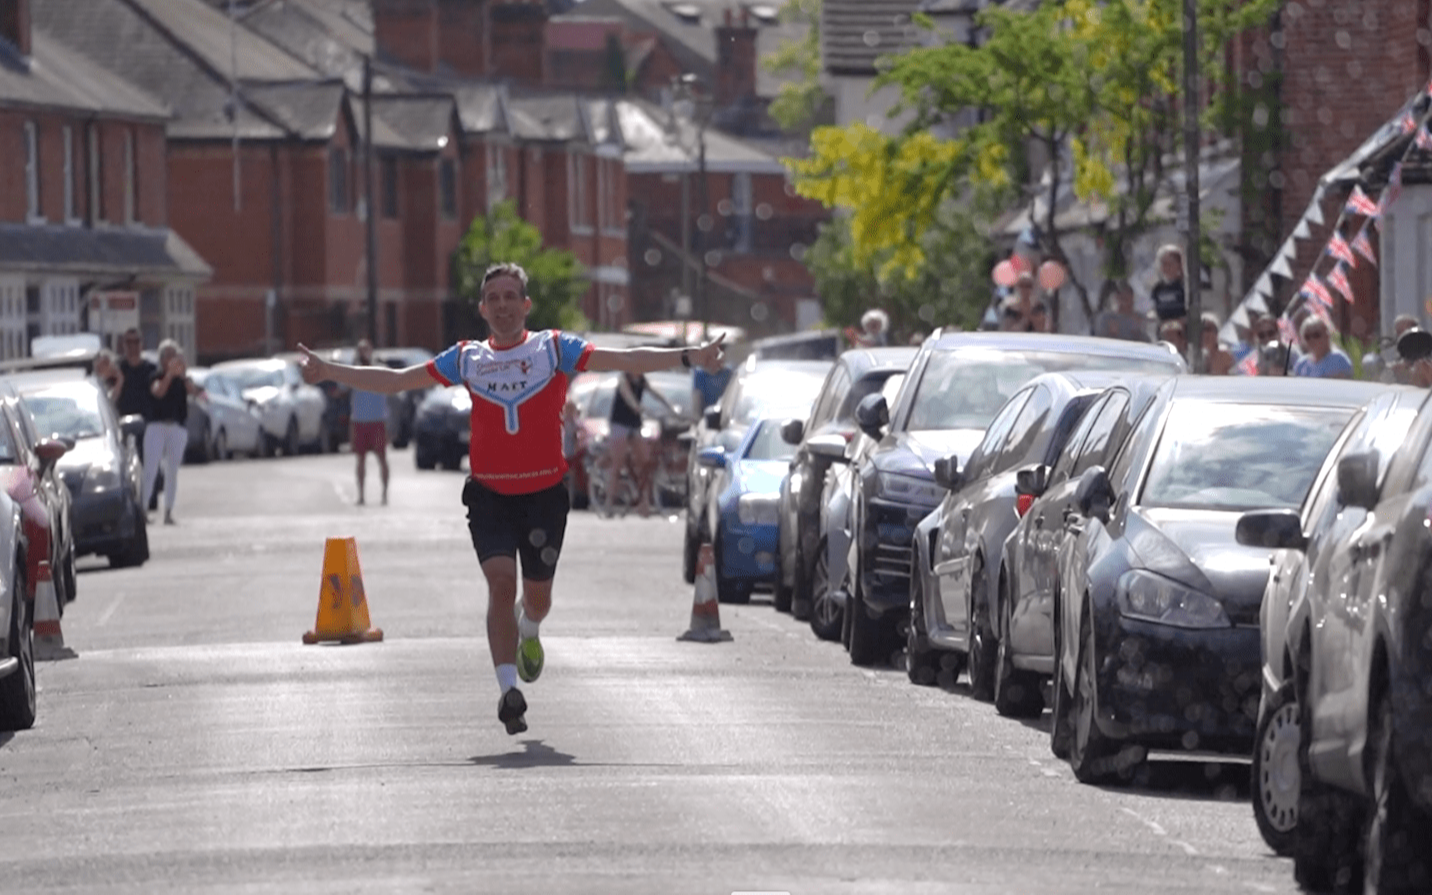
(1017, 309)
(707, 388)
(106, 370)
(1172, 332)
(368, 427)
(1217, 361)
(1273, 359)
(165, 437)
(1038, 317)
(874, 328)
(1323, 358)
(1120, 321)
(1170, 303)
(1402, 323)
(136, 374)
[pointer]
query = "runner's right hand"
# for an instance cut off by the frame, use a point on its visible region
(311, 366)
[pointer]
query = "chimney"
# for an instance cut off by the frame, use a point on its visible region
(405, 32)
(735, 61)
(462, 36)
(15, 24)
(518, 51)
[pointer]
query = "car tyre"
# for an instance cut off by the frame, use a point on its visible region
(1274, 772)
(17, 691)
(781, 598)
(453, 461)
(1094, 758)
(728, 591)
(136, 553)
(690, 549)
(1059, 728)
(827, 617)
(922, 664)
(983, 642)
(1394, 830)
(1017, 694)
(290, 438)
(423, 458)
(867, 634)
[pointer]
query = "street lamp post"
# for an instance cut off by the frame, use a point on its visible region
(697, 105)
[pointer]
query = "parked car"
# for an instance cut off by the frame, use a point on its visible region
(1324, 524)
(1156, 607)
(442, 427)
(756, 384)
(1357, 637)
(956, 384)
(18, 703)
(24, 451)
(668, 435)
(743, 511)
(402, 407)
(221, 422)
(1029, 567)
(952, 609)
(291, 411)
(855, 374)
(102, 470)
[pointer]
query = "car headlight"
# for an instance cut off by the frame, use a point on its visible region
(908, 489)
(101, 478)
(758, 509)
(1144, 595)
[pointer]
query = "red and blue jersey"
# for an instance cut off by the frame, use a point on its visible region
(517, 396)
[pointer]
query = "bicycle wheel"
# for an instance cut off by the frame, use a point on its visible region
(597, 487)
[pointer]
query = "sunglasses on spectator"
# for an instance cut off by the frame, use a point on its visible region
(1316, 334)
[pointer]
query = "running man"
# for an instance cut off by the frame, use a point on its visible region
(516, 501)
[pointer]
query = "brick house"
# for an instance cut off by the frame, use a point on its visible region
(84, 235)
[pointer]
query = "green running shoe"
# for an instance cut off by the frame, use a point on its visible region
(529, 654)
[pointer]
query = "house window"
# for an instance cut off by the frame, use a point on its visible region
(578, 206)
(447, 188)
(131, 178)
(32, 171)
(96, 176)
(496, 176)
(69, 158)
(388, 174)
(338, 180)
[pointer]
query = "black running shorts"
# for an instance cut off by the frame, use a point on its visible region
(529, 525)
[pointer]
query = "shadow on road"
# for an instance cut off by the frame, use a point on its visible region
(5, 737)
(1213, 779)
(534, 754)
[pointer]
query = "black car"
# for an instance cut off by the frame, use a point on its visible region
(1156, 607)
(1360, 648)
(957, 617)
(442, 427)
(956, 384)
(857, 373)
(102, 470)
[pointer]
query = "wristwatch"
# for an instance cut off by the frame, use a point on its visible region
(686, 358)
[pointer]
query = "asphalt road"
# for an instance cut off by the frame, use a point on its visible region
(196, 745)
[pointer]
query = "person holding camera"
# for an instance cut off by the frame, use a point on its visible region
(165, 437)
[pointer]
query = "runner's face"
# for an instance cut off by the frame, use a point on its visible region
(504, 307)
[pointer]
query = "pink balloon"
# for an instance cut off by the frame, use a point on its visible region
(1005, 274)
(1051, 275)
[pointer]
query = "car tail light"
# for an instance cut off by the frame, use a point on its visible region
(1023, 503)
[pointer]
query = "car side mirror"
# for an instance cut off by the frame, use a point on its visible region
(132, 425)
(792, 431)
(872, 415)
(1031, 481)
(50, 450)
(1273, 529)
(828, 447)
(1094, 495)
(712, 457)
(713, 418)
(947, 473)
(1357, 480)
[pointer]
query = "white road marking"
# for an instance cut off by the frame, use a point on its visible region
(109, 610)
(1160, 831)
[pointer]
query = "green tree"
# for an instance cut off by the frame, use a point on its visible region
(556, 281)
(801, 100)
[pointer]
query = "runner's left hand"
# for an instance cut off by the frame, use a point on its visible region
(709, 356)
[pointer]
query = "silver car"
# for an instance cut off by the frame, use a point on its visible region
(221, 421)
(290, 410)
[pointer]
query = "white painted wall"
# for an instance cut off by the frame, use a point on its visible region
(1406, 268)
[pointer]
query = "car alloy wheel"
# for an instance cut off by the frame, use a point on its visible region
(1275, 774)
(1394, 831)
(827, 618)
(1017, 693)
(983, 647)
(921, 663)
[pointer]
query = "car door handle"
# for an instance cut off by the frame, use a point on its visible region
(1039, 521)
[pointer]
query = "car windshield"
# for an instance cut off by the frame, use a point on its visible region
(767, 443)
(68, 412)
(789, 389)
(254, 377)
(964, 388)
(1240, 456)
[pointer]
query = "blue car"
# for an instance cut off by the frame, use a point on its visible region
(745, 510)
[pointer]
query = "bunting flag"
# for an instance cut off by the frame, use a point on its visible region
(1393, 190)
(1360, 203)
(1408, 122)
(1281, 267)
(1363, 246)
(1302, 230)
(1286, 330)
(1248, 366)
(1339, 249)
(1314, 214)
(1314, 289)
(1423, 140)
(1264, 286)
(1337, 278)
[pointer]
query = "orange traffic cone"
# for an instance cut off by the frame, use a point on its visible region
(342, 602)
(705, 608)
(49, 639)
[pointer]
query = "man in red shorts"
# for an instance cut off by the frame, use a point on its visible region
(516, 500)
(368, 426)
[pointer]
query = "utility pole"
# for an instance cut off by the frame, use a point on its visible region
(1193, 265)
(701, 235)
(370, 218)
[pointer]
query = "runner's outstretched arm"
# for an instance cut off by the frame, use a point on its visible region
(383, 380)
(649, 360)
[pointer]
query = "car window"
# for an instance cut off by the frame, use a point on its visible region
(255, 377)
(71, 412)
(1063, 466)
(9, 450)
(994, 437)
(767, 443)
(1030, 433)
(1095, 449)
(831, 396)
(869, 384)
(790, 389)
(1240, 456)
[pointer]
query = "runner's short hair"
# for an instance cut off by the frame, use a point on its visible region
(505, 269)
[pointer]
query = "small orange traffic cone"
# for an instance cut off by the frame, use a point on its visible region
(342, 602)
(49, 639)
(705, 608)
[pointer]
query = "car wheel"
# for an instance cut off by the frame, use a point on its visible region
(921, 663)
(220, 450)
(867, 634)
(1395, 831)
(827, 617)
(453, 461)
(690, 548)
(1275, 770)
(1094, 758)
(781, 599)
(17, 691)
(1017, 693)
(290, 438)
(846, 615)
(327, 441)
(728, 591)
(1059, 728)
(983, 643)
(205, 453)
(423, 458)
(136, 553)
(71, 579)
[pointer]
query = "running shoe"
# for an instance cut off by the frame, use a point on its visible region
(529, 653)
(512, 711)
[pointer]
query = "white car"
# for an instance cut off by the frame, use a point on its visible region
(290, 409)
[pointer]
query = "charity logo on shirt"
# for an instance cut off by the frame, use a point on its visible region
(509, 376)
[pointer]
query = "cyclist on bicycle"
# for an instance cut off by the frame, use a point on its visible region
(624, 434)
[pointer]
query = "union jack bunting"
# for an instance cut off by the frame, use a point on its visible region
(1423, 140)
(1408, 123)
(1363, 246)
(1248, 366)
(1339, 249)
(1394, 188)
(1314, 289)
(1337, 278)
(1360, 203)
(1286, 330)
